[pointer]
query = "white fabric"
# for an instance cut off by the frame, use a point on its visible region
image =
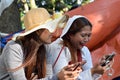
(69, 23)
(12, 57)
(4, 4)
(65, 57)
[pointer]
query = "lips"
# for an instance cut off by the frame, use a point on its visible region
(82, 44)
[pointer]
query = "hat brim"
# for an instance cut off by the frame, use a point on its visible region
(50, 25)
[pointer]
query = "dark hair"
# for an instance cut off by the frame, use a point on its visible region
(34, 56)
(76, 26)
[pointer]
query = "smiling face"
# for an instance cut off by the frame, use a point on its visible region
(79, 39)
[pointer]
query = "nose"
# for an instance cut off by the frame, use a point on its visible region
(86, 39)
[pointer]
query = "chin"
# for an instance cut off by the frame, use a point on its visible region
(47, 42)
(81, 46)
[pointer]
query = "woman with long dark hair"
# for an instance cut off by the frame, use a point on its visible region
(70, 48)
(24, 57)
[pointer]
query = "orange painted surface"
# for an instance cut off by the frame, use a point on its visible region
(105, 17)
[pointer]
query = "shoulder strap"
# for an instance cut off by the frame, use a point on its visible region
(79, 56)
(58, 57)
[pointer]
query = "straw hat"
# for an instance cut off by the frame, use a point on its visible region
(39, 18)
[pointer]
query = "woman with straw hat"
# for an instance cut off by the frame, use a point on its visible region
(24, 57)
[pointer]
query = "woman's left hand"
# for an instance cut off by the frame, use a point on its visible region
(34, 76)
(67, 73)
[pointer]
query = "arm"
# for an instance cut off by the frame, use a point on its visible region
(89, 71)
(13, 58)
(86, 55)
(86, 73)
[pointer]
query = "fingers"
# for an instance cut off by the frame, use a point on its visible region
(97, 69)
(73, 67)
(68, 68)
(67, 72)
(69, 78)
(108, 66)
(80, 63)
(68, 75)
(34, 76)
(107, 59)
(72, 75)
(83, 62)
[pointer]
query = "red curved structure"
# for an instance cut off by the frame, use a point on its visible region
(105, 17)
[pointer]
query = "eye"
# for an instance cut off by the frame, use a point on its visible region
(89, 35)
(83, 35)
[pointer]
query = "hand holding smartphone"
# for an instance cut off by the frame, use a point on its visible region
(108, 58)
(79, 65)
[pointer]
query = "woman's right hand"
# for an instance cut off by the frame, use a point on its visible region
(67, 73)
(97, 69)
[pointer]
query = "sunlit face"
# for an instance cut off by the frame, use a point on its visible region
(81, 38)
(46, 36)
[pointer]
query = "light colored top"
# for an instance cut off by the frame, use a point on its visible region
(12, 57)
(54, 49)
(65, 57)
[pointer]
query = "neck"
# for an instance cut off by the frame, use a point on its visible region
(73, 52)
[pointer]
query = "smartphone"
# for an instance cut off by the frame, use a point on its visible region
(108, 59)
(79, 64)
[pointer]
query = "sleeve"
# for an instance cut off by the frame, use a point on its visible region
(85, 75)
(86, 55)
(13, 58)
(89, 65)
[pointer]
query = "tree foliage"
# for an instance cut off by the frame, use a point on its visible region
(52, 6)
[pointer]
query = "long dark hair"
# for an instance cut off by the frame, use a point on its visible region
(34, 55)
(76, 26)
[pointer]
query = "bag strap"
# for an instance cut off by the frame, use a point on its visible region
(58, 56)
(79, 56)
